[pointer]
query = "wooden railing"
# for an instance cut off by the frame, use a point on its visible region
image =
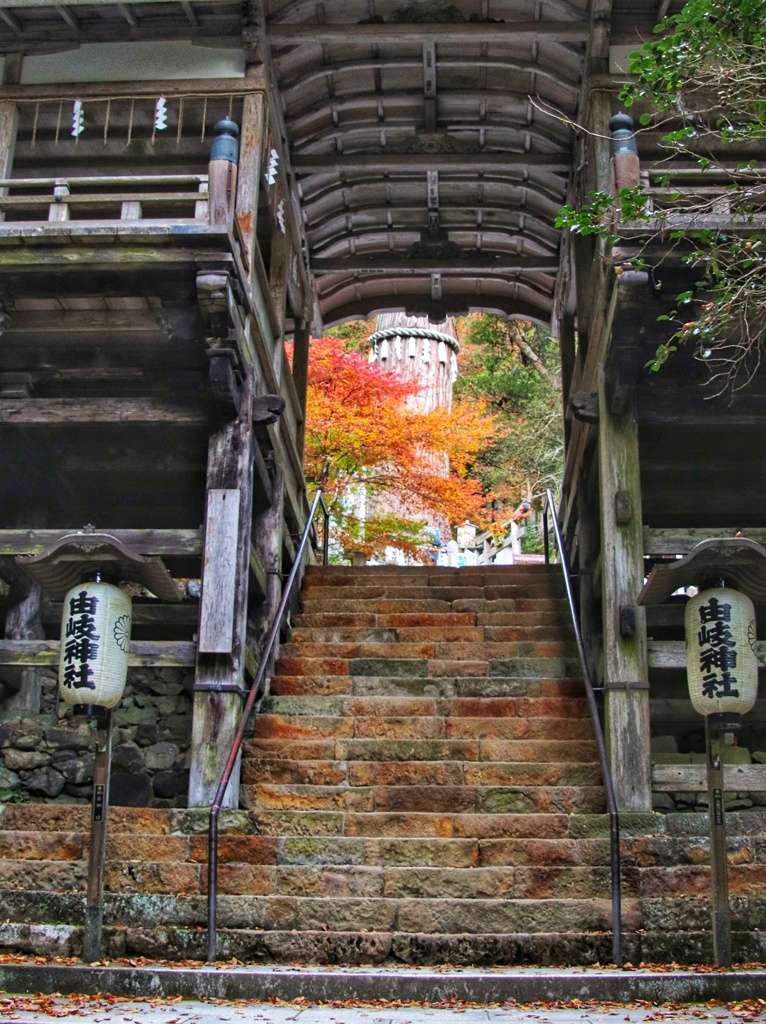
(162, 197)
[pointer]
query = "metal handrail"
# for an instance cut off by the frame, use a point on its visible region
(611, 802)
(255, 690)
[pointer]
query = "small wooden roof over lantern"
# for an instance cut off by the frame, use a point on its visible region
(76, 555)
(738, 560)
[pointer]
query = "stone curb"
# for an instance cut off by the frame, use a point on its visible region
(369, 984)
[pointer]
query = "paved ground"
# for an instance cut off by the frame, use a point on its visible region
(74, 1009)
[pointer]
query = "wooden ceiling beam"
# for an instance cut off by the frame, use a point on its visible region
(387, 163)
(538, 69)
(469, 263)
(460, 32)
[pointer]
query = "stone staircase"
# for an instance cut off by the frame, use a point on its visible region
(421, 787)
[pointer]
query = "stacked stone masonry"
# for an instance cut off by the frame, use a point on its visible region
(421, 786)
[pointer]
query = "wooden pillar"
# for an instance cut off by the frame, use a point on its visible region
(249, 175)
(23, 622)
(267, 541)
(9, 126)
(278, 269)
(219, 679)
(301, 378)
(625, 653)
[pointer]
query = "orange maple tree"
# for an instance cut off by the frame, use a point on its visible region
(363, 442)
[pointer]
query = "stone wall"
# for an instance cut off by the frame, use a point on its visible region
(49, 757)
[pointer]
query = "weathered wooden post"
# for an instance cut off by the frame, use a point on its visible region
(626, 168)
(222, 172)
(219, 682)
(626, 667)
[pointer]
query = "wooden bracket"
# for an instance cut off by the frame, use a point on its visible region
(623, 507)
(213, 300)
(226, 388)
(584, 406)
(268, 408)
(627, 620)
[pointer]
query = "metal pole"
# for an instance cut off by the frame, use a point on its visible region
(94, 908)
(721, 912)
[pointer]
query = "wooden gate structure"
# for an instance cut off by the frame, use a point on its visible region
(392, 155)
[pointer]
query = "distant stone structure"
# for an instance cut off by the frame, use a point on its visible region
(427, 353)
(418, 349)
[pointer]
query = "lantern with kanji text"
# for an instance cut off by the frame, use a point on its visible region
(721, 660)
(95, 639)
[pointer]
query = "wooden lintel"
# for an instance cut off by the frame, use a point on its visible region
(457, 32)
(115, 90)
(382, 161)
(140, 253)
(143, 653)
(688, 778)
(468, 263)
(680, 541)
(170, 616)
(144, 542)
(672, 653)
(45, 411)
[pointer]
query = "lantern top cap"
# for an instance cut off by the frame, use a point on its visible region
(738, 560)
(75, 555)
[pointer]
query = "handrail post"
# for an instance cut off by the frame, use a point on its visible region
(611, 802)
(255, 689)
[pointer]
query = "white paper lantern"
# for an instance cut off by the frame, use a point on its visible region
(95, 638)
(721, 662)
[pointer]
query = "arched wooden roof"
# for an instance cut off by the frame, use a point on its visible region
(429, 143)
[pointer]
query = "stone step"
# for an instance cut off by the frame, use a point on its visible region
(425, 667)
(517, 799)
(447, 620)
(367, 634)
(407, 604)
(417, 773)
(330, 748)
(444, 707)
(451, 649)
(441, 687)
(417, 727)
(361, 594)
(466, 572)
(409, 914)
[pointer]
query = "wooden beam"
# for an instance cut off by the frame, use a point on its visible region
(143, 653)
(395, 262)
(219, 676)
(144, 542)
(625, 658)
(300, 370)
(219, 571)
(672, 653)
(385, 162)
(493, 32)
(116, 90)
(680, 542)
(168, 616)
(690, 778)
(258, 577)
(112, 411)
(267, 543)
(249, 176)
